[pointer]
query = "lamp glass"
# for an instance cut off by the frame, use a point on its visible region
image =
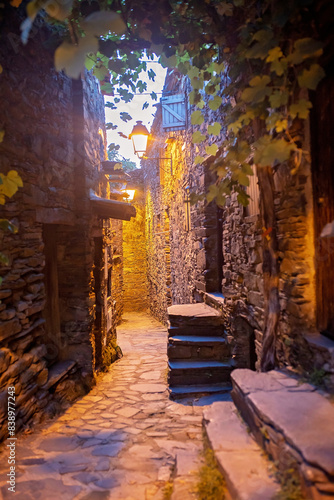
(140, 144)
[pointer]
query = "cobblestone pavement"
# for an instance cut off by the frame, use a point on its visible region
(124, 440)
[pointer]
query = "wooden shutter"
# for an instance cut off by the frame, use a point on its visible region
(173, 112)
(253, 191)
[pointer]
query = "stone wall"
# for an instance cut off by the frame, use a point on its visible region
(134, 261)
(198, 254)
(54, 139)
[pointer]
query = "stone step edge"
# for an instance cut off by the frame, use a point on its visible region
(185, 364)
(274, 434)
(248, 474)
(179, 390)
(194, 340)
(196, 331)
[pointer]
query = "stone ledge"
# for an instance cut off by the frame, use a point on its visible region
(57, 372)
(292, 422)
(246, 471)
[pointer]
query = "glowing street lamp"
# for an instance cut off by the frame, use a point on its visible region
(139, 136)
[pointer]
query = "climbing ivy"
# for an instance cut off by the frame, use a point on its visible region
(248, 61)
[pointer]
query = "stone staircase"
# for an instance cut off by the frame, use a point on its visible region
(198, 354)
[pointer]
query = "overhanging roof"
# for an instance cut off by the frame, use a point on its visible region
(112, 209)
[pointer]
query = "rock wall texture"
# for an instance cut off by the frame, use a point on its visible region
(48, 298)
(219, 252)
(134, 261)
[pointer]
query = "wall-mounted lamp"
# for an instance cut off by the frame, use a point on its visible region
(139, 136)
(129, 193)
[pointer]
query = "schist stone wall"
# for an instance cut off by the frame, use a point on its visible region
(49, 346)
(221, 251)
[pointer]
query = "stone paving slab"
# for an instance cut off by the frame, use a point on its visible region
(121, 440)
(246, 471)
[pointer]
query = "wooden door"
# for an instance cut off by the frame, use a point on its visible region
(322, 130)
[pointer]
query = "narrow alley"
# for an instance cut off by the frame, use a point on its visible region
(123, 440)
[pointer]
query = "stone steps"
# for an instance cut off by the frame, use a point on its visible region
(293, 423)
(197, 351)
(196, 347)
(189, 372)
(248, 474)
(184, 391)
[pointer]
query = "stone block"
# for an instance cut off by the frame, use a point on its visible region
(9, 328)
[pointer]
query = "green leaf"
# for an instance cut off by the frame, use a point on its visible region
(224, 9)
(10, 184)
(198, 160)
(258, 90)
(274, 54)
(59, 9)
(305, 48)
(243, 198)
(125, 116)
(211, 150)
(197, 118)
(6, 225)
(145, 105)
(279, 67)
(153, 96)
(311, 77)
(278, 98)
(243, 178)
(71, 58)
(102, 22)
(272, 150)
(100, 72)
(214, 129)
(212, 193)
(197, 137)
(301, 109)
(116, 65)
(90, 61)
(111, 126)
(197, 83)
(215, 103)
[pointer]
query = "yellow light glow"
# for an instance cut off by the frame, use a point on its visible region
(130, 194)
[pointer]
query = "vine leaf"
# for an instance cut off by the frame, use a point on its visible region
(101, 22)
(212, 193)
(305, 48)
(311, 77)
(215, 103)
(198, 160)
(224, 9)
(258, 90)
(59, 9)
(211, 150)
(197, 118)
(15, 3)
(9, 185)
(278, 98)
(71, 58)
(197, 137)
(268, 151)
(300, 108)
(125, 116)
(214, 129)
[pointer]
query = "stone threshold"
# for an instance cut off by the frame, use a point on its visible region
(292, 422)
(248, 474)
